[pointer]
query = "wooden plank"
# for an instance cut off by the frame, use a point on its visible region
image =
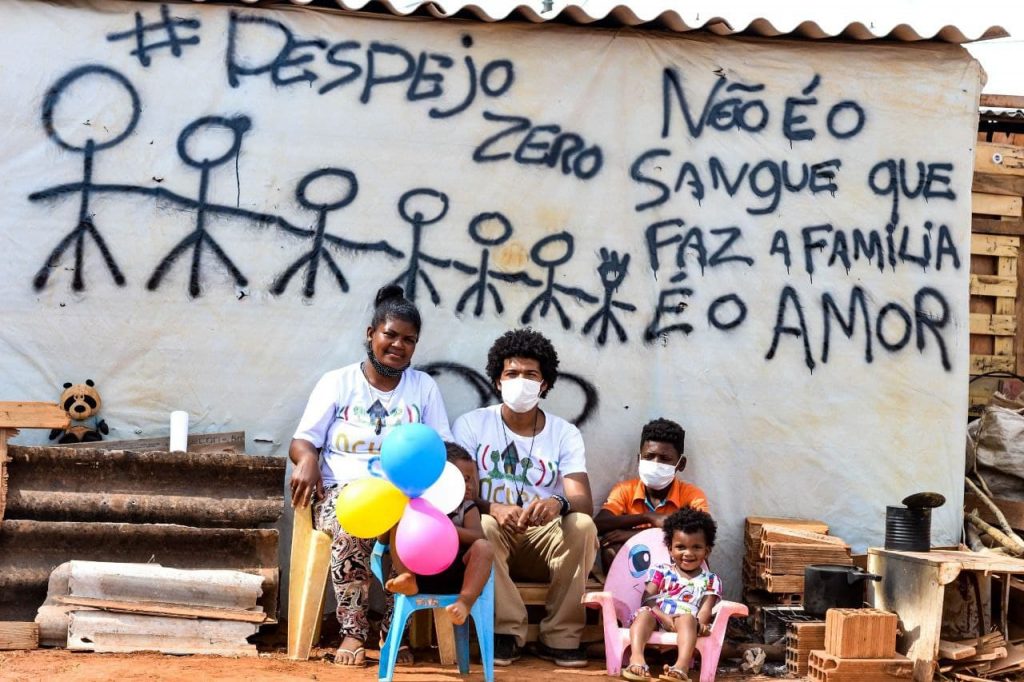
(996, 325)
(1003, 101)
(198, 443)
(994, 245)
(1006, 267)
(1003, 226)
(22, 415)
(17, 635)
(998, 183)
(996, 204)
(445, 637)
(980, 364)
(1005, 159)
(164, 609)
(993, 285)
(954, 651)
(307, 586)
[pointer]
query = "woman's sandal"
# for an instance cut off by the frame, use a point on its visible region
(643, 676)
(674, 674)
(358, 657)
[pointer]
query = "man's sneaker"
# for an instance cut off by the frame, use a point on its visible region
(566, 658)
(505, 650)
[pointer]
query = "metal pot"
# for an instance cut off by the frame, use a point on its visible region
(828, 586)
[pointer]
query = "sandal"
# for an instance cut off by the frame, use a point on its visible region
(358, 657)
(407, 658)
(674, 674)
(643, 676)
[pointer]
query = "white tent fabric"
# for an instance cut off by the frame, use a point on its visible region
(765, 240)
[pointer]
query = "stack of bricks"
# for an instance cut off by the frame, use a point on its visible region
(860, 646)
(801, 639)
(776, 553)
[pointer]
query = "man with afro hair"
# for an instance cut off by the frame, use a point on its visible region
(645, 501)
(535, 493)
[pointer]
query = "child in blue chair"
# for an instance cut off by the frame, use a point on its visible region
(679, 596)
(468, 574)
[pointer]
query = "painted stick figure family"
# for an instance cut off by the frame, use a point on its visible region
(211, 142)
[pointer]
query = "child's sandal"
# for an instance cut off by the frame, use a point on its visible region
(643, 676)
(674, 674)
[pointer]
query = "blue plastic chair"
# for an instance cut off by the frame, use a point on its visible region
(482, 614)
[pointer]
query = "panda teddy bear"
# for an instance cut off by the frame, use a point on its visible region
(82, 403)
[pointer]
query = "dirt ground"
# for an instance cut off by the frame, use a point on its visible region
(58, 665)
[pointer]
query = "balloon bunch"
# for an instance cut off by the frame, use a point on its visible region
(416, 487)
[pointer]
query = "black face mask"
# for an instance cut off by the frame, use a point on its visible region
(383, 370)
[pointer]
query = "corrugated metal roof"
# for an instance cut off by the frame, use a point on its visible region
(911, 20)
(1002, 113)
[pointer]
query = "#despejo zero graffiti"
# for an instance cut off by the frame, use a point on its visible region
(455, 84)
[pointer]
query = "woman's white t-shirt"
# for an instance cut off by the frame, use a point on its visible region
(343, 413)
(513, 466)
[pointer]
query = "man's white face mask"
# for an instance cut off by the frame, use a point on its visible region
(520, 394)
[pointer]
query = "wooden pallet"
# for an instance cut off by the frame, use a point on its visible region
(993, 318)
(997, 226)
(860, 633)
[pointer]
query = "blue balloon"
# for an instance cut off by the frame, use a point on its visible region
(412, 457)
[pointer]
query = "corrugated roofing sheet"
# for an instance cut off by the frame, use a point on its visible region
(910, 20)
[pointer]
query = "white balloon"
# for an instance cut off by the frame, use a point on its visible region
(448, 490)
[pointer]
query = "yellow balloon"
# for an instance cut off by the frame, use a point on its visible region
(370, 506)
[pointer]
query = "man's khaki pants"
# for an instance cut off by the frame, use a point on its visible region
(561, 552)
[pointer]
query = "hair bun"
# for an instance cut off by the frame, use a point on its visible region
(388, 292)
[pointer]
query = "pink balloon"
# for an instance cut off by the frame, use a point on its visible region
(426, 539)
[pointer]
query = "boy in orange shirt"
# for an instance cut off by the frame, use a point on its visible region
(643, 502)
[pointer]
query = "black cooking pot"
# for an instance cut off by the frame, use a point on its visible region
(828, 586)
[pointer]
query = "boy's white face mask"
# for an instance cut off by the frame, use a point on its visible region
(520, 394)
(656, 475)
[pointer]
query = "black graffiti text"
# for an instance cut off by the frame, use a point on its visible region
(542, 145)
(766, 180)
(259, 46)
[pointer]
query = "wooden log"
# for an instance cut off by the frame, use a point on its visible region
(860, 633)
(25, 415)
(1013, 510)
(15, 635)
(122, 633)
(169, 610)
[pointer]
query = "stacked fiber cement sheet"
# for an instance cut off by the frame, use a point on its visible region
(116, 607)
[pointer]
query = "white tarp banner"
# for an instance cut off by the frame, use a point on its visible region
(764, 240)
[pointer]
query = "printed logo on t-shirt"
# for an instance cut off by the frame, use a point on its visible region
(507, 477)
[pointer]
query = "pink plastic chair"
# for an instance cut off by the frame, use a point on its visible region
(623, 593)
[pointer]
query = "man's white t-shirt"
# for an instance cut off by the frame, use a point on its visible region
(344, 410)
(513, 466)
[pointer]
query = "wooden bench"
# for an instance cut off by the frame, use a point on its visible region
(534, 595)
